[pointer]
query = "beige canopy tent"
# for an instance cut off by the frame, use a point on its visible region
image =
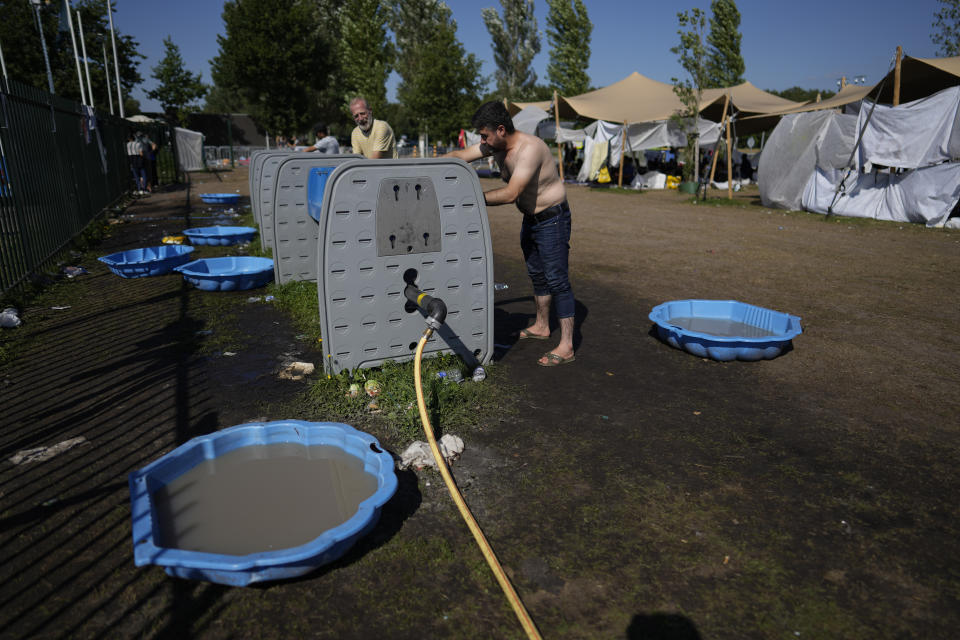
(516, 107)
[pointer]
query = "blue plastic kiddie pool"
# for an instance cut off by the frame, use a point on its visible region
(151, 261)
(220, 198)
(220, 236)
(300, 442)
(228, 274)
(725, 329)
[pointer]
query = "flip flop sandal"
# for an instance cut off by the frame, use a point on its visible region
(526, 335)
(553, 360)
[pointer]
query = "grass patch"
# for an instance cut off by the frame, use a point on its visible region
(299, 300)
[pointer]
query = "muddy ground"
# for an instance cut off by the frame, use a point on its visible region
(639, 492)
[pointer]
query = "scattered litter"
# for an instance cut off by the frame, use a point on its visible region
(479, 374)
(254, 299)
(372, 387)
(726, 559)
(696, 413)
(500, 286)
(451, 375)
(229, 353)
(50, 502)
(203, 332)
(72, 272)
(10, 318)
(353, 391)
(268, 298)
(373, 406)
(609, 374)
(301, 336)
(61, 308)
(605, 417)
(296, 371)
(419, 454)
(40, 454)
(173, 239)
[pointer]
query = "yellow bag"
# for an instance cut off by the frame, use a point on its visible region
(603, 176)
(673, 182)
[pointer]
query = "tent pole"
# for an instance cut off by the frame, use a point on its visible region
(896, 77)
(76, 56)
(623, 146)
(556, 118)
(723, 120)
(729, 165)
(86, 63)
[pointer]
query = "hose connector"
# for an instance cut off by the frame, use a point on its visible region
(435, 307)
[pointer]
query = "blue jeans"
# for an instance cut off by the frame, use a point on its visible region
(546, 246)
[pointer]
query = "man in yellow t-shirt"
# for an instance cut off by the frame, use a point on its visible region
(371, 138)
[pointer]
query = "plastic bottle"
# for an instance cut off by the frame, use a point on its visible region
(500, 286)
(451, 375)
(479, 374)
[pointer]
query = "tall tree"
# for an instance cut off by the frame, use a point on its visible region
(947, 24)
(365, 53)
(691, 53)
(515, 42)
(23, 53)
(178, 88)
(277, 57)
(568, 31)
(439, 80)
(725, 65)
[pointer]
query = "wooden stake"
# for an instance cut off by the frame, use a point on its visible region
(729, 165)
(623, 146)
(896, 77)
(723, 120)
(556, 119)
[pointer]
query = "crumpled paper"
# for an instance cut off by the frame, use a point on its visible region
(10, 318)
(296, 371)
(40, 454)
(419, 454)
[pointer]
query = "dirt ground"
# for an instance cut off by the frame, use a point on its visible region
(639, 492)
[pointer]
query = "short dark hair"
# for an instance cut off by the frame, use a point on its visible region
(320, 127)
(491, 115)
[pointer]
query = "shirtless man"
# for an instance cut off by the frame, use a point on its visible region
(527, 167)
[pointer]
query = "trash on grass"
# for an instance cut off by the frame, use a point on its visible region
(61, 308)
(173, 239)
(39, 454)
(296, 371)
(372, 387)
(10, 318)
(353, 391)
(419, 454)
(72, 272)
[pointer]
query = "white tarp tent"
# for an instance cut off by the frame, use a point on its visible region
(189, 149)
(813, 149)
(528, 118)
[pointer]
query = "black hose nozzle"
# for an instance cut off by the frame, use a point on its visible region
(435, 307)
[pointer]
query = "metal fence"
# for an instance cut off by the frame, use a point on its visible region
(59, 168)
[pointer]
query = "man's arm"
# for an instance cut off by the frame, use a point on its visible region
(471, 153)
(524, 171)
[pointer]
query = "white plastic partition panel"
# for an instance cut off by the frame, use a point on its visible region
(383, 219)
(256, 168)
(295, 233)
(264, 194)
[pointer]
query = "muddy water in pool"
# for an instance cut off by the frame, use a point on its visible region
(261, 498)
(720, 327)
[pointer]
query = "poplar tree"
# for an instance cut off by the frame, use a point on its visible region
(365, 53)
(691, 53)
(439, 81)
(568, 32)
(725, 65)
(515, 43)
(277, 57)
(178, 88)
(947, 25)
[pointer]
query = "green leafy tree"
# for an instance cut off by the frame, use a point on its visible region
(365, 53)
(178, 89)
(277, 58)
(946, 23)
(515, 42)
(725, 65)
(439, 81)
(691, 53)
(568, 32)
(23, 53)
(799, 94)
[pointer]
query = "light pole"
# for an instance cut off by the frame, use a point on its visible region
(43, 41)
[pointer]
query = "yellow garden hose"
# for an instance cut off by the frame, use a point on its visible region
(525, 621)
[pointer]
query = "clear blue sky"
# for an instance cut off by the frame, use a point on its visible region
(808, 44)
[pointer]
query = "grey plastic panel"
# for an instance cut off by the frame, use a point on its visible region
(256, 168)
(268, 172)
(408, 216)
(295, 233)
(362, 309)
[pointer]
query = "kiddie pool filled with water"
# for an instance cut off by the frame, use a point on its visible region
(259, 501)
(725, 329)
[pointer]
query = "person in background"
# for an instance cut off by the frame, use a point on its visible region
(135, 158)
(371, 138)
(534, 184)
(325, 143)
